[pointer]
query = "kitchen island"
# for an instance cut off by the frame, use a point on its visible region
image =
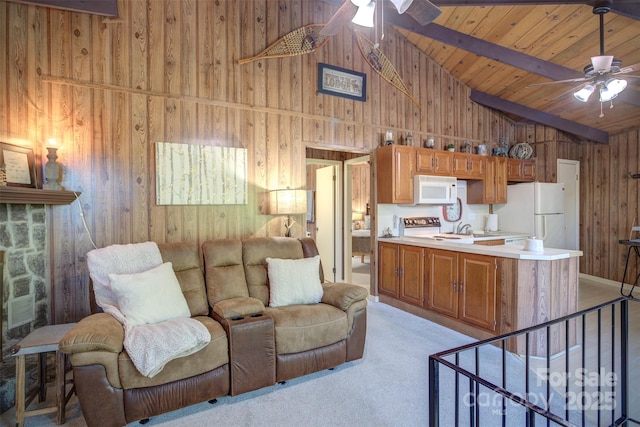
(479, 290)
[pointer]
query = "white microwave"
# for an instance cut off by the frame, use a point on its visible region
(434, 190)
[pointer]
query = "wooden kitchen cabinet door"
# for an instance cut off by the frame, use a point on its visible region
(443, 282)
(521, 170)
(396, 165)
(493, 188)
(469, 166)
(412, 274)
(477, 290)
(434, 162)
(388, 261)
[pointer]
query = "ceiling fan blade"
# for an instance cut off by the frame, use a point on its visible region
(573, 90)
(423, 11)
(342, 16)
(580, 79)
(629, 69)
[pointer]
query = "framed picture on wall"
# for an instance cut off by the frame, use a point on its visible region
(19, 165)
(338, 81)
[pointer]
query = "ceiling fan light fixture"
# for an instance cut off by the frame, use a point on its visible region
(607, 95)
(402, 5)
(583, 94)
(601, 64)
(616, 85)
(365, 14)
(360, 3)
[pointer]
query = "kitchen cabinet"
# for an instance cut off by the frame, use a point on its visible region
(469, 166)
(434, 162)
(495, 292)
(443, 282)
(478, 290)
(521, 170)
(401, 272)
(396, 165)
(463, 286)
(493, 188)
(388, 264)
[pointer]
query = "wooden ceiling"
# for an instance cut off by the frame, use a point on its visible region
(498, 48)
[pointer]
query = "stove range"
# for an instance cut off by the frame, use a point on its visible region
(421, 226)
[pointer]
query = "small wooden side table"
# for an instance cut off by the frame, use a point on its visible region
(41, 341)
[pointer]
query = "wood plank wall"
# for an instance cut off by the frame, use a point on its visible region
(360, 187)
(166, 70)
(609, 197)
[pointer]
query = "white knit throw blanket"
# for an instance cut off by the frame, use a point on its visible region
(150, 346)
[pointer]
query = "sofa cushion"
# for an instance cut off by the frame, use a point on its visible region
(294, 281)
(214, 355)
(254, 253)
(224, 271)
(151, 296)
(185, 258)
(305, 327)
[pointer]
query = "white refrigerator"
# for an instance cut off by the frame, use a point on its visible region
(536, 208)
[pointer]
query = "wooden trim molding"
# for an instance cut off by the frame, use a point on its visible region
(33, 196)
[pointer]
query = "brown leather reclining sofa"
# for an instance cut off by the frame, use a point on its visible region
(252, 345)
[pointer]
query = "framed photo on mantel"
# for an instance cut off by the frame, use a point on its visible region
(338, 81)
(19, 165)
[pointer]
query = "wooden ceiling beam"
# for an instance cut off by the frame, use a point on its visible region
(97, 7)
(569, 126)
(486, 49)
(628, 8)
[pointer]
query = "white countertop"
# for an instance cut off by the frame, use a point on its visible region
(503, 251)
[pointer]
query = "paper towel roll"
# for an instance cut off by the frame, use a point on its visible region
(492, 222)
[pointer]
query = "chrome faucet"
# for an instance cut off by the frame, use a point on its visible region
(463, 228)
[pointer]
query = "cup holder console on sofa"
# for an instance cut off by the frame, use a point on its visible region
(251, 366)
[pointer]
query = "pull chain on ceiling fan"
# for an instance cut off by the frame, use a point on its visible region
(601, 74)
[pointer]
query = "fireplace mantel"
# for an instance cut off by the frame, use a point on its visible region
(33, 196)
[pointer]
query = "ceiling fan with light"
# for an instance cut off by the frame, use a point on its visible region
(361, 12)
(602, 74)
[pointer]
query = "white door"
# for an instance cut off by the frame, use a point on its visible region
(569, 174)
(325, 220)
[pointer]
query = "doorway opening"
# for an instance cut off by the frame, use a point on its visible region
(351, 206)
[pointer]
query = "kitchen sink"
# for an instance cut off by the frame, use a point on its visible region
(455, 238)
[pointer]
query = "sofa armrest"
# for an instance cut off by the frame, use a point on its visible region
(97, 332)
(343, 295)
(233, 307)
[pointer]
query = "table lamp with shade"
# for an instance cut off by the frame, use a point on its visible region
(356, 218)
(287, 202)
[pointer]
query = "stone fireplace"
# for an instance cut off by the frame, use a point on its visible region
(24, 291)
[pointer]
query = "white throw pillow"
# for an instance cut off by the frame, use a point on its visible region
(151, 296)
(294, 281)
